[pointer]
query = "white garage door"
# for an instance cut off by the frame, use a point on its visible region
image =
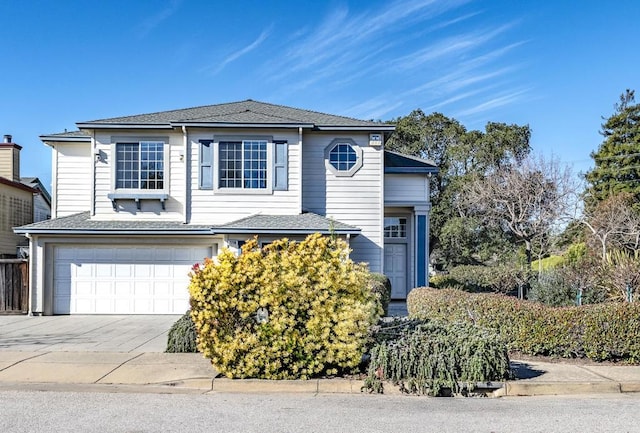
(123, 280)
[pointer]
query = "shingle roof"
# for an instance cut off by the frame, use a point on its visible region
(66, 136)
(395, 162)
(305, 223)
(34, 182)
(82, 222)
(243, 112)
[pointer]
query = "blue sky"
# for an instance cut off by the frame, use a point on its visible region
(557, 65)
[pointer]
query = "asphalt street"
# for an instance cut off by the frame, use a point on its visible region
(29, 411)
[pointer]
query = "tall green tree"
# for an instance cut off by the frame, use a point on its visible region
(461, 156)
(617, 160)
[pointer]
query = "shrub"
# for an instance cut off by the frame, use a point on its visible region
(473, 278)
(609, 331)
(560, 287)
(289, 310)
(429, 357)
(182, 336)
(444, 281)
(380, 285)
(547, 263)
(619, 273)
(550, 288)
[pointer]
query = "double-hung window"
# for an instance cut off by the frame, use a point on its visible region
(140, 165)
(243, 164)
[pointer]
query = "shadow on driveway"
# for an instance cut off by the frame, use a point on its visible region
(85, 333)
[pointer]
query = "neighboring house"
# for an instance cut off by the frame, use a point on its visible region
(41, 201)
(137, 200)
(16, 199)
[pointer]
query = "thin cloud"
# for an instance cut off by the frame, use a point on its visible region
(449, 47)
(373, 108)
(343, 38)
(493, 103)
(241, 52)
(154, 20)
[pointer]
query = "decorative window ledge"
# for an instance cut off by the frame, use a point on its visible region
(137, 197)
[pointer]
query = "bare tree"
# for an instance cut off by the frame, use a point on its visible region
(532, 199)
(614, 224)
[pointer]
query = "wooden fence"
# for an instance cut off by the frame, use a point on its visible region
(14, 286)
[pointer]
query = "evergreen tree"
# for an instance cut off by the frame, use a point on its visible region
(460, 155)
(617, 160)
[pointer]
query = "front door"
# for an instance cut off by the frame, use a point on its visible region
(395, 267)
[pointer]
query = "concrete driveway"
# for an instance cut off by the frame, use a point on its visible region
(85, 333)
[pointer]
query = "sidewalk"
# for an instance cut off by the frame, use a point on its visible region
(191, 373)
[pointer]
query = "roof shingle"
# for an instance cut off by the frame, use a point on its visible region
(305, 223)
(248, 111)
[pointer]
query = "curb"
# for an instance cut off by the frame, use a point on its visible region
(312, 386)
(513, 389)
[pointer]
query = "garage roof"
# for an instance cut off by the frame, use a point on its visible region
(81, 223)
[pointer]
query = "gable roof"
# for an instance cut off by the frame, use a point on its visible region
(247, 113)
(395, 162)
(81, 223)
(71, 136)
(35, 183)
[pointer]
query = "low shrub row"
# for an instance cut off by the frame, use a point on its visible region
(426, 357)
(601, 332)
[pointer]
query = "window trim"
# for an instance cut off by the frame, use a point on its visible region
(115, 140)
(242, 138)
(343, 173)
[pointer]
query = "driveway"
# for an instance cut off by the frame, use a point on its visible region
(85, 333)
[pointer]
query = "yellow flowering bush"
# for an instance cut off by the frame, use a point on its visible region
(289, 310)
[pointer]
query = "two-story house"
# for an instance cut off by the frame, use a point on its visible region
(16, 199)
(137, 200)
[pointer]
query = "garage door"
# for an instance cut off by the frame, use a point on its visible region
(123, 280)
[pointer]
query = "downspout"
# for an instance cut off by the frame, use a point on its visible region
(32, 274)
(54, 182)
(186, 161)
(381, 215)
(95, 158)
(299, 169)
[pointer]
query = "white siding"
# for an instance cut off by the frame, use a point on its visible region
(405, 188)
(355, 200)
(217, 207)
(150, 209)
(72, 178)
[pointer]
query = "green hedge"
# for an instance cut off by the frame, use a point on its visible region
(425, 357)
(182, 336)
(601, 332)
(380, 285)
